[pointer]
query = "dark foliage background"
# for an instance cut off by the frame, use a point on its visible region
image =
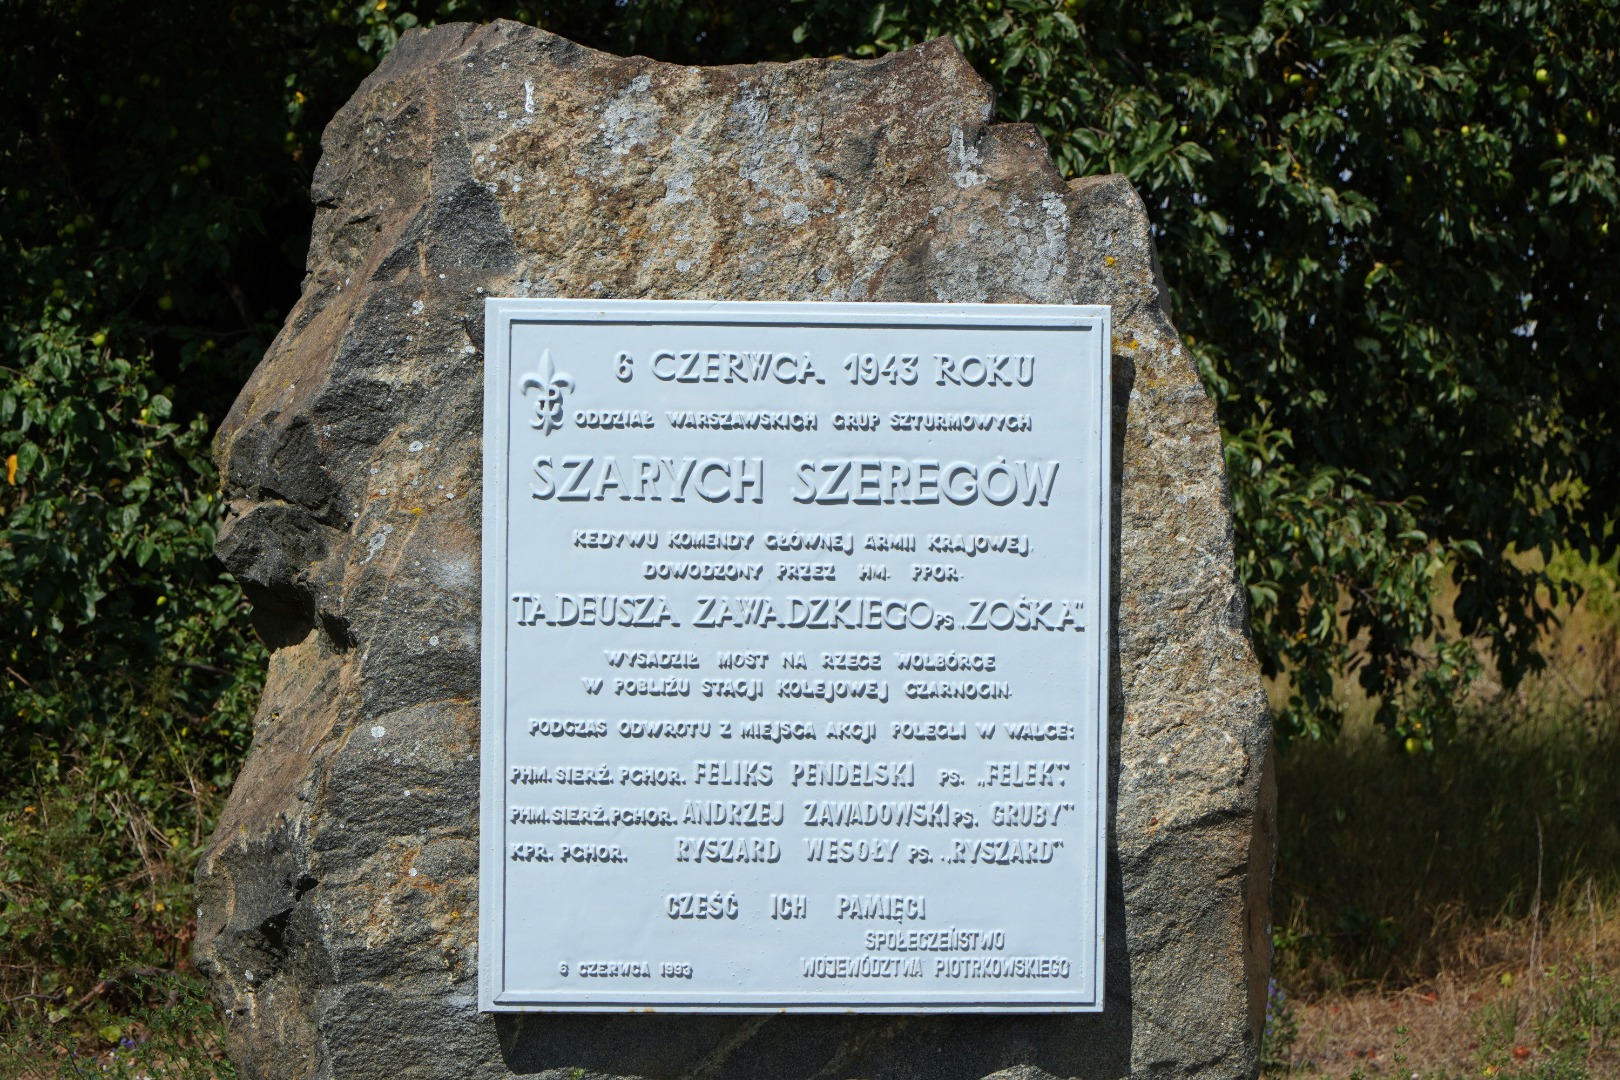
(1386, 224)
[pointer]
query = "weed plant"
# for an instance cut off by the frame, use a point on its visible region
(1457, 914)
(99, 836)
(174, 1034)
(1473, 966)
(1391, 863)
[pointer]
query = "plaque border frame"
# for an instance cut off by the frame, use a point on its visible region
(500, 314)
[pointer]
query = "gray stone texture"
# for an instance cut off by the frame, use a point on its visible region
(337, 900)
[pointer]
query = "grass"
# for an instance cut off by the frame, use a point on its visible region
(1551, 1009)
(1392, 866)
(1459, 915)
(96, 922)
(152, 1026)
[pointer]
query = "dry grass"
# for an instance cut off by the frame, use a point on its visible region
(1533, 1004)
(1459, 916)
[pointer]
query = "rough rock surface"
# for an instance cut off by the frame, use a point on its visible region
(337, 900)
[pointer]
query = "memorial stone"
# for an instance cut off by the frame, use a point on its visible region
(759, 762)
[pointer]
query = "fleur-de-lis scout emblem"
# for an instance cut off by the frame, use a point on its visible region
(548, 410)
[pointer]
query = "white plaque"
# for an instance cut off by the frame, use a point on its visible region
(795, 643)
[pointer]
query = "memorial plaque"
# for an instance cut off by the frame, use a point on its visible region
(795, 641)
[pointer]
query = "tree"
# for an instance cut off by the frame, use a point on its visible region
(1385, 224)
